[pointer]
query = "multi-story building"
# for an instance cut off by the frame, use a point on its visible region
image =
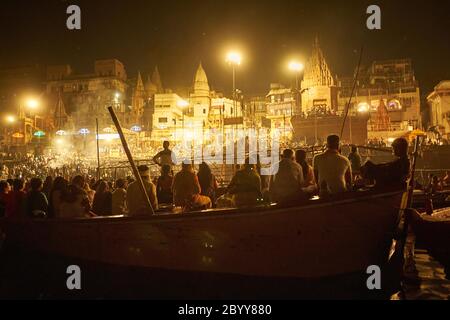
(439, 109)
(168, 121)
(281, 106)
(257, 111)
(389, 92)
(87, 96)
(174, 117)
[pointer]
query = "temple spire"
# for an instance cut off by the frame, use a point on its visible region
(156, 80)
(201, 81)
(317, 71)
(139, 82)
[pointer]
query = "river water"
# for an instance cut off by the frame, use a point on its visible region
(36, 276)
(425, 279)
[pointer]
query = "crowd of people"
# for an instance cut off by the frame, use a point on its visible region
(436, 183)
(294, 180)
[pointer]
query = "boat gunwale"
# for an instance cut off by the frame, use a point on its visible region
(211, 213)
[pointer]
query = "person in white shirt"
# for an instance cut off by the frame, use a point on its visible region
(332, 170)
(165, 157)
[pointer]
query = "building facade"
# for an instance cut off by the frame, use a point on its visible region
(281, 106)
(389, 92)
(168, 121)
(439, 109)
(87, 96)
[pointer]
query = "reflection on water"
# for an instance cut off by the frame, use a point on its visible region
(33, 276)
(427, 279)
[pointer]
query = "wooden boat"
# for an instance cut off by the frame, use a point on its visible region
(433, 231)
(440, 199)
(313, 240)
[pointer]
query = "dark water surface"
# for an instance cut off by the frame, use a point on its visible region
(28, 275)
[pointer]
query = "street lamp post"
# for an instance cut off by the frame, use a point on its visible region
(234, 58)
(30, 104)
(297, 68)
(315, 125)
(10, 120)
(182, 104)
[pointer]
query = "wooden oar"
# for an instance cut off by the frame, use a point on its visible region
(130, 158)
(407, 198)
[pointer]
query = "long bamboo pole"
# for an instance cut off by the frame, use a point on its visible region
(98, 149)
(355, 81)
(407, 200)
(130, 159)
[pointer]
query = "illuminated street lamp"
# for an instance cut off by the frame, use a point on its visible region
(234, 58)
(363, 107)
(297, 68)
(39, 134)
(116, 97)
(10, 119)
(32, 103)
(61, 133)
(84, 131)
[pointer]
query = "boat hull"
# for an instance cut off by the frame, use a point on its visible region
(433, 231)
(310, 241)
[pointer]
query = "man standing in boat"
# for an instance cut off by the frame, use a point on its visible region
(165, 157)
(332, 170)
(392, 174)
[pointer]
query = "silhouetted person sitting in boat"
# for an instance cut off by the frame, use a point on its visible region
(286, 185)
(309, 181)
(245, 186)
(74, 200)
(332, 170)
(446, 179)
(54, 201)
(355, 160)
(392, 174)
(165, 157)
(4, 190)
(435, 185)
(47, 187)
(164, 185)
(136, 202)
(16, 197)
(187, 191)
(36, 203)
(102, 204)
(208, 182)
(119, 198)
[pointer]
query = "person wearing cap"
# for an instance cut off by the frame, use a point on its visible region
(333, 170)
(136, 202)
(392, 174)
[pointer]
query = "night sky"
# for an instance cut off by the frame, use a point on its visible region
(176, 35)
